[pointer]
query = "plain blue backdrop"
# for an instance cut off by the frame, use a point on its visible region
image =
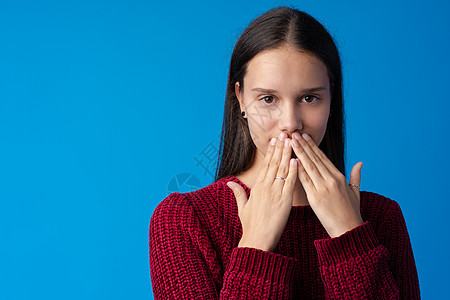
(104, 105)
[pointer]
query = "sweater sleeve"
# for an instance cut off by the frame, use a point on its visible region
(185, 265)
(356, 266)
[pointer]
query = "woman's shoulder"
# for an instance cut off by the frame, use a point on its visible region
(201, 201)
(379, 209)
(377, 202)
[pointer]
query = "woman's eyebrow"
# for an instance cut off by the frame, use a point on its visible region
(267, 91)
(271, 91)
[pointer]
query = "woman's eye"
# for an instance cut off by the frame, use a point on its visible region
(309, 99)
(267, 99)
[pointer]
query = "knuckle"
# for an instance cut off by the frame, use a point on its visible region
(342, 178)
(322, 155)
(277, 193)
(315, 158)
(310, 165)
(283, 169)
(260, 180)
(333, 182)
(274, 163)
(307, 179)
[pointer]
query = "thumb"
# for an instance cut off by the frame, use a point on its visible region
(239, 193)
(355, 179)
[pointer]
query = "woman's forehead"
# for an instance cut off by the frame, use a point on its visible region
(282, 68)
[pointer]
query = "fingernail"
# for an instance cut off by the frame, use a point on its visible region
(282, 136)
(273, 141)
(295, 142)
(229, 184)
(306, 137)
(296, 135)
(286, 143)
(293, 161)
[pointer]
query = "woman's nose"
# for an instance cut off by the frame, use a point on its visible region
(290, 119)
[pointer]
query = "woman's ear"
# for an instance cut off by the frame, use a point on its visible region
(237, 91)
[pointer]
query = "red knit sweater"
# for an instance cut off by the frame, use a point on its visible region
(194, 254)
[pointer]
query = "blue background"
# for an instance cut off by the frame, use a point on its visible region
(103, 103)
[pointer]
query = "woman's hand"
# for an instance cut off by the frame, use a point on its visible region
(264, 215)
(335, 203)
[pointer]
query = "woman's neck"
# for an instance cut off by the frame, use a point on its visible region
(249, 179)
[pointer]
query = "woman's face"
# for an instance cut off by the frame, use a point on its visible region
(285, 91)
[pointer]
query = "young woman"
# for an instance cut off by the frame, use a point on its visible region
(280, 221)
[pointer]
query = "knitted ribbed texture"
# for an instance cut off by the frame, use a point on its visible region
(194, 255)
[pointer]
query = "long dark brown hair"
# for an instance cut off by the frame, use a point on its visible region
(271, 30)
